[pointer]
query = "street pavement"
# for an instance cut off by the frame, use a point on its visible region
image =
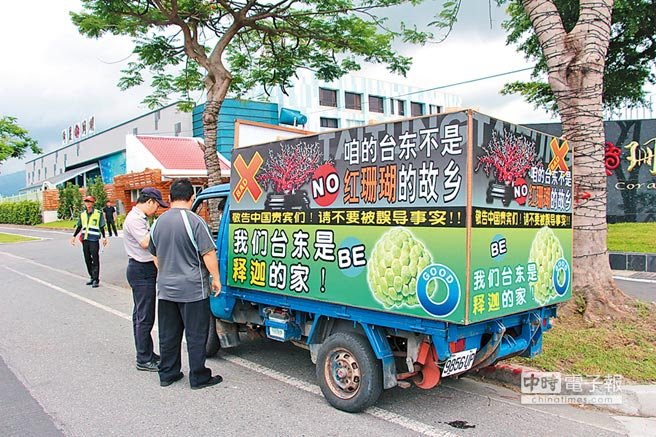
(67, 367)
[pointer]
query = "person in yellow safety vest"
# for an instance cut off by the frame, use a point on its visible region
(91, 224)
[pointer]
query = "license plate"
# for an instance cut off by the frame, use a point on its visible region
(276, 333)
(459, 362)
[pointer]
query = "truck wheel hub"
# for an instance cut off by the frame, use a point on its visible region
(343, 373)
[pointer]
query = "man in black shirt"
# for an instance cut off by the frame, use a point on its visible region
(110, 216)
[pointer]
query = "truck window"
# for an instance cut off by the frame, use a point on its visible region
(205, 209)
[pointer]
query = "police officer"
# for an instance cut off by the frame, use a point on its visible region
(92, 225)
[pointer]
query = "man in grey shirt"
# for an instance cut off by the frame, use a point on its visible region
(185, 254)
(142, 275)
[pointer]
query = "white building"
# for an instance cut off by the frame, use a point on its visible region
(354, 101)
(102, 153)
(346, 102)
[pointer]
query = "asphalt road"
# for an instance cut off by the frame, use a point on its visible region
(67, 367)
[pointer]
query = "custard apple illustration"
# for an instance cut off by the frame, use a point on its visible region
(394, 266)
(545, 251)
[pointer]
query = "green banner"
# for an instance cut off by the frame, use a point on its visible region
(521, 236)
(384, 217)
(355, 217)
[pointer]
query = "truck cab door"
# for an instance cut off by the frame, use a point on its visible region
(218, 226)
(204, 207)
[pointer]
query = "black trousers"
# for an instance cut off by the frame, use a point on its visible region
(91, 251)
(193, 318)
(111, 225)
(142, 278)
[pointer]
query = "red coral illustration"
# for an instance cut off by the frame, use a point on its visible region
(287, 170)
(510, 156)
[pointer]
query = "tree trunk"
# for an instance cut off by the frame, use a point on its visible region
(575, 63)
(210, 121)
(215, 96)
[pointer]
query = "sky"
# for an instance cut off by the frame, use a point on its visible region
(52, 77)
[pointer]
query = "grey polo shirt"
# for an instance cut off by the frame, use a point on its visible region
(135, 229)
(179, 239)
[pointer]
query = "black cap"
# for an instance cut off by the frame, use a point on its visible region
(155, 194)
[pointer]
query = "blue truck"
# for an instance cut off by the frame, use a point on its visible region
(387, 283)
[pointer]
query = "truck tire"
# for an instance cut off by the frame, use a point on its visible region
(349, 373)
(213, 344)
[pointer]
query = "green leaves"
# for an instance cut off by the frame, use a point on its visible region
(14, 140)
(70, 202)
(537, 93)
(447, 17)
(131, 76)
(630, 59)
(258, 43)
(97, 190)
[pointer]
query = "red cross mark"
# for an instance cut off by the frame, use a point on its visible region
(247, 180)
(559, 152)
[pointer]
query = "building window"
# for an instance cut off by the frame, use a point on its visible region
(397, 107)
(157, 117)
(376, 104)
(45, 172)
(327, 97)
(332, 123)
(434, 109)
(54, 168)
(65, 158)
(38, 173)
(354, 123)
(177, 128)
(134, 195)
(353, 101)
(61, 170)
(77, 149)
(135, 131)
(416, 109)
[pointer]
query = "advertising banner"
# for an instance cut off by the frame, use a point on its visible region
(630, 159)
(521, 237)
(378, 217)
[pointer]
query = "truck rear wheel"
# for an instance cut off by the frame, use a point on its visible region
(349, 373)
(213, 344)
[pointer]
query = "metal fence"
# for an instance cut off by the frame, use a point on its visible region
(640, 112)
(35, 195)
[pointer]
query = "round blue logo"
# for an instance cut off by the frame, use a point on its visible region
(561, 276)
(442, 273)
(352, 271)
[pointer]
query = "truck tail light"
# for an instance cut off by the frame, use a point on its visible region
(457, 346)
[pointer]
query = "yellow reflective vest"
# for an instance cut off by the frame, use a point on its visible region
(91, 225)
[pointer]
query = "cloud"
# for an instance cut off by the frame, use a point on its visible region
(52, 76)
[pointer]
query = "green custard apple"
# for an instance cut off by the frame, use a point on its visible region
(394, 266)
(545, 251)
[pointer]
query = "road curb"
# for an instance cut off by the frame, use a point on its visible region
(37, 228)
(637, 400)
(502, 372)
